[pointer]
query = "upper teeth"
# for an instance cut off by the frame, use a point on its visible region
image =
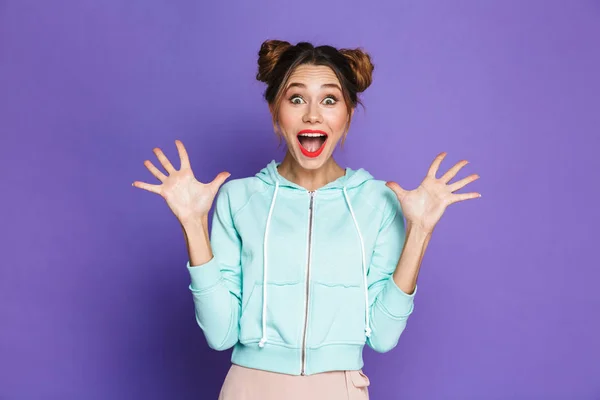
(312, 134)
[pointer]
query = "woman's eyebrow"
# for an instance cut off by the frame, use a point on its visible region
(326, 85)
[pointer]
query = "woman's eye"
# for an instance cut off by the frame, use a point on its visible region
(330, 100)
(296, 100)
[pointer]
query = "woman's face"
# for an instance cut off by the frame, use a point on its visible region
(312, 115)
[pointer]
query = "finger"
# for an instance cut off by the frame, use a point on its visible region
(155, 171)
(183, 155)
(435, 165)
(463, 182)
(400, 192)
(220, 179)
(164, 160)
(147, 186)
(451, 173)
(463, 196)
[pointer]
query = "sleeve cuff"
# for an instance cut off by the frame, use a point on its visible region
(395, 301)
(205, 276)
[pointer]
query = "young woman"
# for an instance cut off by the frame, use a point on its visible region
(307, 261)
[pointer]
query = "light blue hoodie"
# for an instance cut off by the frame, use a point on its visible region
(287, 284)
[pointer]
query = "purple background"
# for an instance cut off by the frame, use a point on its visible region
(93, 287)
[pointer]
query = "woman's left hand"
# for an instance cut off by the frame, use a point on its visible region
(424, 206)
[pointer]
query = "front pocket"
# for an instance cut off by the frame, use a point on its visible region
(337, 315)
(285, 310)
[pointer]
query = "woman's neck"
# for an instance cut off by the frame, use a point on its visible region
(307, 178)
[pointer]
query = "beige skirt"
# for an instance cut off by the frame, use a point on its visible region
(243, 383)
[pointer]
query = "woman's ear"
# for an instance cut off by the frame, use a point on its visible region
(350, 118)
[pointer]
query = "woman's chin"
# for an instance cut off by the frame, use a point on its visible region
(311, 162)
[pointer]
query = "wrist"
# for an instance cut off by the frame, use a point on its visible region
(195, 223)
(416, 229)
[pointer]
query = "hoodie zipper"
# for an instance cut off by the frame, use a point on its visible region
(312, 195)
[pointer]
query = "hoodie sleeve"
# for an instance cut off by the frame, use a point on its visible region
(216, 285)
(390, 307)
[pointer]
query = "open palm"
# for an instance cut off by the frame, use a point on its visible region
(188, 198)
(425, 205)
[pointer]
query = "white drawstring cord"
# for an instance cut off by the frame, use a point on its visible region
(364, 266)
(263, 340)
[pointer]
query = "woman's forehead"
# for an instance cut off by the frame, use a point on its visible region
(310, 75)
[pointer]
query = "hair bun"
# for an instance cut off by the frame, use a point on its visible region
(268, 55)
(362, 67)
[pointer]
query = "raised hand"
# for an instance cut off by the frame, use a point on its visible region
(424, 206)
(189, 199)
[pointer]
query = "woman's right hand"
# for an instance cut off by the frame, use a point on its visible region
(189, 199)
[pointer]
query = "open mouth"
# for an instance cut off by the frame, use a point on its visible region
(312, 142)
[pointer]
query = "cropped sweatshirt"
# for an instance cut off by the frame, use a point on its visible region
(301, 280)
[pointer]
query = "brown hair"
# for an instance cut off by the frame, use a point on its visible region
(278, 59)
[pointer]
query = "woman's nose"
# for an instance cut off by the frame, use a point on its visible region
(312, 115)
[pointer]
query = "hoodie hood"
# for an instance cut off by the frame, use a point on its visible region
(351, 179)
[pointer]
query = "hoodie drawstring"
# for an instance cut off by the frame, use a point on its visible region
(364, 265)
(263, 340)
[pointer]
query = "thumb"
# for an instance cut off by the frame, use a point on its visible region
(400, 192)
(219, 180)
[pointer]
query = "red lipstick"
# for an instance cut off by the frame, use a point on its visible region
(310, 136)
